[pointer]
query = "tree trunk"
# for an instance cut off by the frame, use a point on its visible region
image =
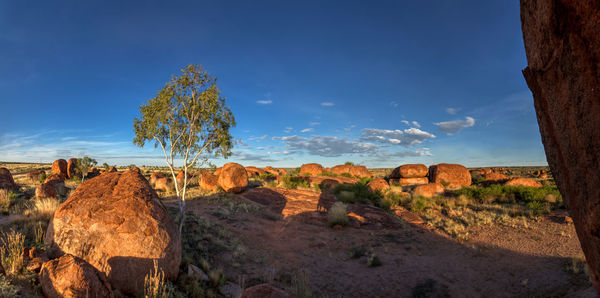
(562, 42)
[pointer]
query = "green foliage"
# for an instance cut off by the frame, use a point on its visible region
(266, 176)
(105, 166)
(84, 165)
(294, 182)
(536, 199)
(357, 194)
(349, 163)
(365, 180)
(346, 175)
(42, 177)
(329, 174)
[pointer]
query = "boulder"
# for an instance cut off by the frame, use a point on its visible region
(378, 184)
(455, 176)
(112, 169)
(265, 291)
(57, 183)
(70, 276)
(494, 176)
(72, 170)
(233, 178)
(181, 180)
(163, 183)
(93, 172)
(45, 190)
(6, 180)
(36, 175)
(275, 172)
(208, 181)
(411, 181)
(428, 190)
(217, 171)
(354, 171)
(116, 223)
(562, 43)
(254, 171)
(313, 169)
(59, 167)
(155, 176)
(523, 182)
(409, 171)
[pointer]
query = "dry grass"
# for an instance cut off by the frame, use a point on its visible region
(155, 284)
(5, 199)
(42, 208)
(11, 252)
(337, 214)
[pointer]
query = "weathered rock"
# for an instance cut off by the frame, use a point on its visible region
(155, 176)
(352, 170)
(59, 167)
(233, 178)
(230, 289)
(265, 291)
(494, 176)
(412, 181)
(181, 180)
(523, 182)
(208, 181)
(217, 171)
(6, 180)
(197, 273)
(93, 172)
(254, 171)
(163, 183)
(112, 169)
(409, 171)
(116, 223)
(562, 42)
(69, 276)
(378, 184)
(428, 190)
(72, 170)
(36, 175)
(275, 172)
(313, 169)
(45, 190)
(455, 176)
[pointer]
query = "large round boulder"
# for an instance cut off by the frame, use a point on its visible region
(6, 180)
(495, 176)
(72, 170)
(59, 167)
(313, 169)
(452, 175)
(254, 171)
(378, 184)
(233, 178)
(428, 190)
(155, 176)
(116, 223)
(523, 182)
(70, 276)
(208, 181)
(409, 171)
(52, 187)
(36, 175)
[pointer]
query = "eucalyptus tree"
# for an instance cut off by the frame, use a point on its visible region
(189, 120)
(84, 165)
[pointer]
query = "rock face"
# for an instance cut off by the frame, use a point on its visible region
(275, 172)
(93, 172)
(59, 167)
(6, 180)
(36, 175)
(112, 169)
(562, 42)
(456, 176)
(254, 171)
(72, 171)
(378, 184)
(265, 291)
(116, 224)
(354, 171)
(217, 171)
(52, 187)
(412, 181)
(233, 178)
(69, 276)
(163, 183)
(494, 176)
(181, 180)
(428, 190)
(155, 176)
(314, 169)
(523, 182)
(208, 181)
(409, 171)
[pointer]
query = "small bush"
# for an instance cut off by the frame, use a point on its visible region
(5, 200)
(373, 260)
(294, 182)
(329, 174)
(7, 289)
(357, 252)
(42, 177)
(349, 163)
(11, 251)
(357, 194)
(266, 176)
(337, 214)
(365, 180)
(346, 175)
(155, 284)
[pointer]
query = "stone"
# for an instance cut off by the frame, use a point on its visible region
(6, 180)
(36, 175)
(70, 276)
(313, 169)
(378, 184)
(155, 176)
(112, 169)
(93, 172)
(72, 170)
(265, 291)
(232, 290)
(275, 172)
(523, 182)
(164, 184)
(428, 190)
(217, 171)
(409, 171)
(233, 178)
(181, 180)
(494, 176)
(412, 181)
(562, 43)
(45, 190)
(117, 224)
(208, 181)
(59, 167)
(352, 170)
(196, 272)
(453, 175)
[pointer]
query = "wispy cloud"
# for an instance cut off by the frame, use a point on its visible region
(327, 104)
(407, 137)
(416, 124)
(307, 130)
(328, 146)
(452, 111)
(393, 104)
(450, 127)
(246, 156)
(253, 138)
(288, 129)
(314, 123)
(264, 102)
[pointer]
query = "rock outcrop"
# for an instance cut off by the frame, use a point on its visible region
(378, 184)
(409, 171)
(562, 42)
(453, 175)
(6, 180)
(523, 182)
(59, 167)
(233, 178)
(69, 276)
(72, 170)
(155, 176)
(116, 224)
(208, 181)
(428, 190)
(313, 169)
(52, 187)
(36, 175)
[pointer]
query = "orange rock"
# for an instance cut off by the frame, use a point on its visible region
(163, 183)
(378, 184)
(354, 171)
(35, 175)
(69, 276)
(454, 175)
(409, 171)
(217, 172)
(135, 228)
(181, 176)
(428, 190)
(72, 171)
(208, 181)
(254, 171)
(313, 169)
(494, 176)
(6, 180)
(233, 178)
(112, 169)
(413, 181)
(155, 176)
(523, 182)
(59, 167)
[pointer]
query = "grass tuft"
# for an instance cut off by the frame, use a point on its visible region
(337, 214)
(11, 251)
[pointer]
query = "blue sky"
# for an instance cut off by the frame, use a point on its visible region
(380, 83)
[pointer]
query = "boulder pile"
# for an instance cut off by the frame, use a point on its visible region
(410, 174)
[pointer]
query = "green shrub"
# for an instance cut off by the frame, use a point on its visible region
(42, 177)
(373, 260)
(337, 214)
(346, 175)
(294, 182)
(361, 194)
(329, 174)
(349, 163)
(7, 289)
(365, 180)
(265, 176)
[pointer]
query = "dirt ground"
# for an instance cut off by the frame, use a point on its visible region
(301, 253)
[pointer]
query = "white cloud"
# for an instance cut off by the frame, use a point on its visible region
(253, 138)
(246, 156)
(288, 129)
(452, 111)
(394, 104)
(407, 137)
(455, 125)
(327, 104)
(264, 102)
(328, 146)
(306, 130)
(405, 122)
(349, 128)
(314, 123)
(416, 124)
